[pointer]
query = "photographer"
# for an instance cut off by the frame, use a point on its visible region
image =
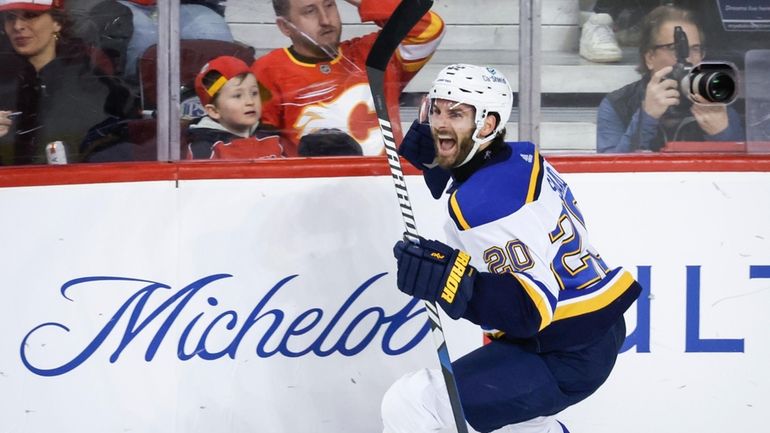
(645, 114)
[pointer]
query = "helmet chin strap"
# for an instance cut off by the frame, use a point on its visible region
(471, 154)
(477, 142)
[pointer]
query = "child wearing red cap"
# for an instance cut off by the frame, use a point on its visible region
(229, 94)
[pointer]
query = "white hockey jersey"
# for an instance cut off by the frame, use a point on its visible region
(540, 278)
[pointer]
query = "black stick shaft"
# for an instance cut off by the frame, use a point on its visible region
(406, 15)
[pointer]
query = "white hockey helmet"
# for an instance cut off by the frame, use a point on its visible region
(483, 87)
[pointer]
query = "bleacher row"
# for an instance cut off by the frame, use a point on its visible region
(487, 32)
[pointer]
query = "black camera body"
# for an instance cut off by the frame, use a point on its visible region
(682, 47)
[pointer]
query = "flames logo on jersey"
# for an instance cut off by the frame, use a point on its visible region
(352, 111)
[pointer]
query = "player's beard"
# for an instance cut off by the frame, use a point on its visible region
(462, 147)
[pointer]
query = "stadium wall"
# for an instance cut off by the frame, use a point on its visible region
(260, 296)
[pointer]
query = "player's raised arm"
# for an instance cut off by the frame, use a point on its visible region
(419, 44)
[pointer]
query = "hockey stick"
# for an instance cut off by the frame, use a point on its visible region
(406, 15)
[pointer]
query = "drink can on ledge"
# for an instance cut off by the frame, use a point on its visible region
(56, 153)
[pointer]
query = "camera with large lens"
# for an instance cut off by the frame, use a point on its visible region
(713, 82)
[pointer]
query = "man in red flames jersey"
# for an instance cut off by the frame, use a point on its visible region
(319, 82)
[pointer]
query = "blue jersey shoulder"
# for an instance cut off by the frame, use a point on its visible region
(498, 189)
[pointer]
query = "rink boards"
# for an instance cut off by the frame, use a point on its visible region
(260, 297)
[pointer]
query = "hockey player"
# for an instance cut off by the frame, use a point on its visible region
(320, 82)
(517, 262)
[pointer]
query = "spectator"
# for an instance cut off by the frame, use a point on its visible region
(320, 82)
(199, 19)
(641, 116)
(48, 83)
(229, 94)
(328, 142)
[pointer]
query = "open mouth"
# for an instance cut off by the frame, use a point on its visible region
(446, 145)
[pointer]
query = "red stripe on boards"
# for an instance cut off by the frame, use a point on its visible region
(14, 176)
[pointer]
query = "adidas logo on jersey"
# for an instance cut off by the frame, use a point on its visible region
(527, 157)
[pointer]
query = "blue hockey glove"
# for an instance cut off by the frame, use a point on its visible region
(435, 272)
(417, 147)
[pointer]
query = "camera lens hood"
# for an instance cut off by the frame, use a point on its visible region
(713, 82)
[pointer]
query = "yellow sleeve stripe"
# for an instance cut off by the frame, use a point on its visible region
(458, 214)
(420, 48)
(411, 53)
(414, 66)
(596, 301)
(541, 302)
(432, 31)
(534, 176)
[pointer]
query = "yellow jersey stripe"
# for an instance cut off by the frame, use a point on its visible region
(594, 303)
(457, 212)
(534, 176)
(541, 302)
